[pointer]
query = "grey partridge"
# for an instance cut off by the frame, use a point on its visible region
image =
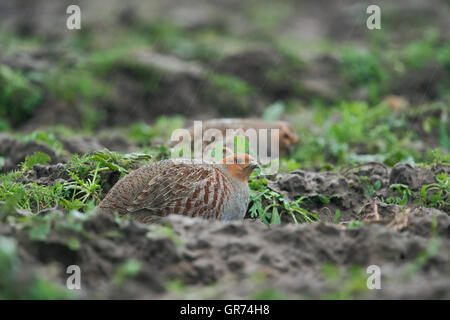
(286, 135)
(186, 187)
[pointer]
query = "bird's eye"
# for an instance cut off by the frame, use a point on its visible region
(286, 136)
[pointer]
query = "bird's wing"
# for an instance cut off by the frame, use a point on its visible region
(179, 189)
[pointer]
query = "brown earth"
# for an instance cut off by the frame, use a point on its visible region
(236, 260)
(240, 260)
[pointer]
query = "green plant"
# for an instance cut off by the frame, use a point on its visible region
(165, 231)
(18, 96)
(103, 62)
(337, 216)
(230, 84)
(405, 194)
(416, 54)
(84, 190)
(353, 132)
(76, 85)
(268, 294)
(348, 284)
(437, 157)
(369, 190)
(355, 224)
(116, 161)
(268, 205)
(91, 116)
(444, 139)
(35, 158)
(364, 69)
(162, 128)
(128, 269)
(288, 165)
(47, 138)
(437, 194)
(177, 286)
(29, 196)
(231, 94)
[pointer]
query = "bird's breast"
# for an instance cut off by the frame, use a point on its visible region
(237, 206)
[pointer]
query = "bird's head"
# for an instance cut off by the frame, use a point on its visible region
(240, 166)
(287, 137)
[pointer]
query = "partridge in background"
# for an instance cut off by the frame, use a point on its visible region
(187, 187)
(287, 136)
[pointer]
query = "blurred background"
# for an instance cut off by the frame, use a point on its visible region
(138, 69)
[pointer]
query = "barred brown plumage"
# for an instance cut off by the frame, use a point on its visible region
(187, 187)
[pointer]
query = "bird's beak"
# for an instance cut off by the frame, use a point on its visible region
(254, 164)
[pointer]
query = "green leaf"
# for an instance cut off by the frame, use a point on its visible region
(73, 243)
(323, 199)
(40, 231)
(377, 185)
(130, 268)
(275, 216)
(354, 224)
(337, 216)
(36, 158)
(398, 186)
